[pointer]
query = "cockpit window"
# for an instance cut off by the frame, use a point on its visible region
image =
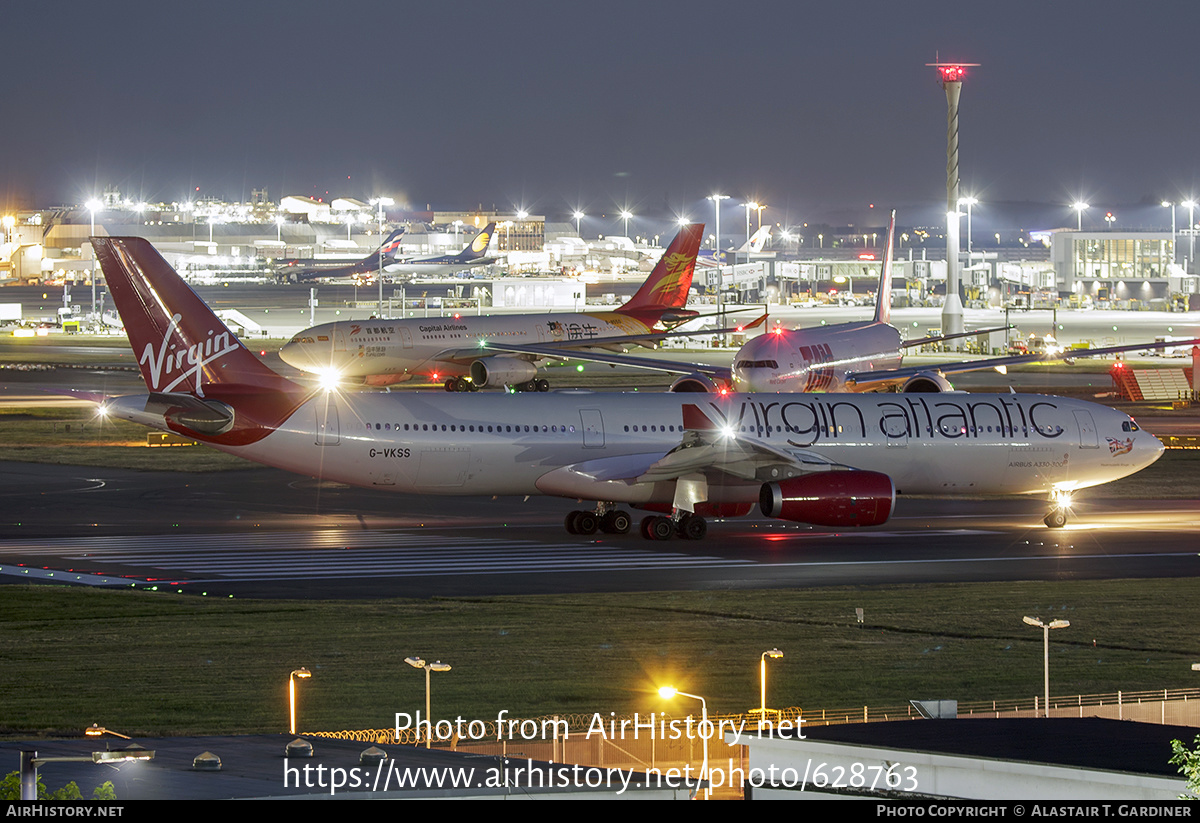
(757, 364)
(1129, 426)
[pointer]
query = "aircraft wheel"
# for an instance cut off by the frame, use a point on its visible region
(462, 384)
(693, 527)
(657, 528)
(569, 522)
(586, 522)
(616, 522)
(541, 384)
(1056, 519)
(450, 385)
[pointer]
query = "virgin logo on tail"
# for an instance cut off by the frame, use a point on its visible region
(175, 358)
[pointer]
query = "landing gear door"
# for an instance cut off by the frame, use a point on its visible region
(328, 429)
(593, 428)
(1087, 430)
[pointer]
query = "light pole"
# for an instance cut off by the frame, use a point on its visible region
(717, 198)
(749, 207)
(1191, 207)
(1165, 204)
(436, 666)
(667, 692)
(625, 215)
(1046, 627)
(1109, 219)
(762, 681)
(1080, 207)
(302, 673)
(578, 216)
(93, 206)
(969, 202)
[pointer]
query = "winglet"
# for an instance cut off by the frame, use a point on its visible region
(696, 420)
(883, 299)
(668, 285)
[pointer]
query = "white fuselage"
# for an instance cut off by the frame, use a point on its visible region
(815, 359)
(435, 347)
(576, 444)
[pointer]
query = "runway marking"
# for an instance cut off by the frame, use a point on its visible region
(354, 554)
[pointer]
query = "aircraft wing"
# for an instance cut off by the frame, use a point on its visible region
(866, 381)
(707, 453)
(941, 338)
(548, 350)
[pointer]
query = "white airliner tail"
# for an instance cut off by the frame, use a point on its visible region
(883, 299)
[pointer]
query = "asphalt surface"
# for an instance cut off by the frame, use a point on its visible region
(266, 533)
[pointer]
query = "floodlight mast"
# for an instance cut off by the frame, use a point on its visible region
(952, 309)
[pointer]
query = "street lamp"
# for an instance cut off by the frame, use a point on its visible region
(302, 673)
(1046, 627)
(762, 683)
(625, 215)
(666, 693)
(749, 207)
(717, 198)
(578, 216)
(1191, 207)
(1080, 207)
(1165, 204)
(437, 666)
(93, 206)
(969, 202)
(1109, 219)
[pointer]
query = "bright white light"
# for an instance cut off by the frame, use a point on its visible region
(328, 379)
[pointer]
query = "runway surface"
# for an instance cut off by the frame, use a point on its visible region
(265, 533)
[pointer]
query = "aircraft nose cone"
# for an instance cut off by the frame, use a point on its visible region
(306, 356)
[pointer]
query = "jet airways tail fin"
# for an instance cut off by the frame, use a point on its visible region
(479, 243)
(181, 346)
(668, 285)
(883, 298)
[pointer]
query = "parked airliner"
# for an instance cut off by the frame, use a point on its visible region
(451, 349)
(831, 460)
(843, 357)
(369, 265)
(473, 254)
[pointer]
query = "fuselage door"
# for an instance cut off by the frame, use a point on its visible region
(1087, 430)
(328, 430)
(593, 428)
(339, 338)
(406, 337)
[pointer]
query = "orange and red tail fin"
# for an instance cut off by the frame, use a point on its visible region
(181, 345)
(668, 285)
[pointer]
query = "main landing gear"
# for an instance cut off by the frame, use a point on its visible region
(1057, 518)
(540, 384)
(460, 384)
(687, 527)
(609, 521)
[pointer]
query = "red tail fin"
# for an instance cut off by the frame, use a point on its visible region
(180, 344)
(667, 286)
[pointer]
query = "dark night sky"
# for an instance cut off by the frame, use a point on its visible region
(811, 108)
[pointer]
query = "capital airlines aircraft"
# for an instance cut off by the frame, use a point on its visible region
(846, 357)
(449, 348)
(367, 266)
(831, 460)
